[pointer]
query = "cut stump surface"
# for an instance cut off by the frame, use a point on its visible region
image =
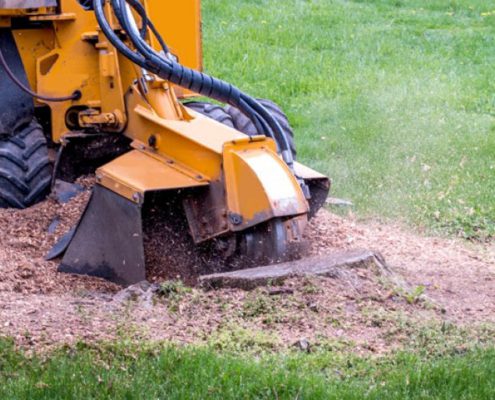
(332, 265)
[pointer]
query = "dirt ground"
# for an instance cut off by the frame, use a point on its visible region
(448, 282)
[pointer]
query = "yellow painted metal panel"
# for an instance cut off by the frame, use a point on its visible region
(204, 131)
(179, 22)
(137, 172)
(259, 184)
(33, 44)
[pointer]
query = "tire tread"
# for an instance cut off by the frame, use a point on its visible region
(243, 124)
(25, 169)
(212, 111)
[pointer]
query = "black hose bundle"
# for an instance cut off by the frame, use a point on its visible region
(161, 64)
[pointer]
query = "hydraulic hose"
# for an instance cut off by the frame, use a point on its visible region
(167, 68)
(3, 62)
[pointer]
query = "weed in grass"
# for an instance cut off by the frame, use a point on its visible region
(235, 339)
(258, 304)
(83, 314)
(437, 339)
(269, 309)
(336, 322)
(415, 295)
(173, 291)
(335, 345)
(310, 286)
(432, 338)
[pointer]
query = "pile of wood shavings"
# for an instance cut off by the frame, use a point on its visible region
(25, 240)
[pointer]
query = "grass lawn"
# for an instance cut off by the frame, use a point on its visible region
(108, 372)
(394, 99)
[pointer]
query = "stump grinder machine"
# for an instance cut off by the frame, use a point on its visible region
(108, 86)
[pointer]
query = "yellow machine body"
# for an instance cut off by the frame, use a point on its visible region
(245, 182)
(67, 53)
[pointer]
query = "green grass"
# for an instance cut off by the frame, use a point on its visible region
(120, 372)
(393, 99)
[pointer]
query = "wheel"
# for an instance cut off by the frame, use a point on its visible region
(245, 125)
(265, 244)
(25, 170)
(212, 111)
(274, 241)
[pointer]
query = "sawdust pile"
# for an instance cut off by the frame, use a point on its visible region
(457, 277)
(26, 236)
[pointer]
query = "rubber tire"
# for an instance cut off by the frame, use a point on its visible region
(25, 169)
(245, 125)
(212, 111)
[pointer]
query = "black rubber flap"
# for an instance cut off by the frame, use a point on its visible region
(61, 246)
(108, 241)
(319, 189)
